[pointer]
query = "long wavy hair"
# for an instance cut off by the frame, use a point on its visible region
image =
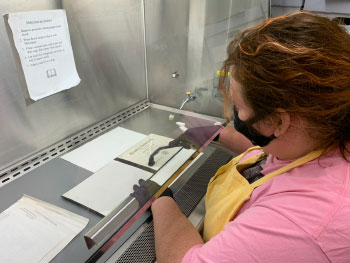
(299, 62)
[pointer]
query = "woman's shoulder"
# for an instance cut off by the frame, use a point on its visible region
(315, 196)
(326, 177)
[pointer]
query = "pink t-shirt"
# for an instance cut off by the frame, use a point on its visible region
(302, 215)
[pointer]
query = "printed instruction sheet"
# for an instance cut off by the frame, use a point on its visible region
(43, 44)
(35, 231)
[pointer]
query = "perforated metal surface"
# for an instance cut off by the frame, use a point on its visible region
(30, 163)
(187, 198)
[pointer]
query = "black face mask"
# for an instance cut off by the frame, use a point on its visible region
(248, 131)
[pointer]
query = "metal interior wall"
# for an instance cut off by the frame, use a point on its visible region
(107, 41)
(190, 37)
(323, 7)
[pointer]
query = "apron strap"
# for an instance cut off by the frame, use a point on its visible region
(246, 152)
(302, 160)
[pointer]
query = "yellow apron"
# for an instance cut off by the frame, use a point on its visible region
(228, 190)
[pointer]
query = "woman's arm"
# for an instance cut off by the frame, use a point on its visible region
(236, 142)
(174, 233)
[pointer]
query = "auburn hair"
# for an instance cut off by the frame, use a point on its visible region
(299, 62)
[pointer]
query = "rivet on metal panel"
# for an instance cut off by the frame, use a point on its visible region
(175, 74)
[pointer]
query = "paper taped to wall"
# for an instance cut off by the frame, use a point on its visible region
(35, 231)
(43, 44)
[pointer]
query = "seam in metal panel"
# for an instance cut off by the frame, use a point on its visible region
(143, 11)
(34, 161)
(187, 198)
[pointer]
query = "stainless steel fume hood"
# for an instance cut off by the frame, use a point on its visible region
(136, 59)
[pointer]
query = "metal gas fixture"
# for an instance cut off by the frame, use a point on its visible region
(188, 98)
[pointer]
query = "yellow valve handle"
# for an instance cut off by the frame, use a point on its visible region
(219, 72)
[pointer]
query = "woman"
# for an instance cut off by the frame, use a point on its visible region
(289, 199)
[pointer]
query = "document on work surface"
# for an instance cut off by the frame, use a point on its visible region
(140, 153)
(100, 151)
(35, 231)
(108, 187)
(43, 44)
(172, 166)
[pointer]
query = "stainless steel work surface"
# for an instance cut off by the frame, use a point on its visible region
(49, 181)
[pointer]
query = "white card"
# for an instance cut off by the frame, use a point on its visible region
(100, 151)
(108, 187)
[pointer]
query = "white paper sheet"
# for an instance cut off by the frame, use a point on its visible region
(108, 187)
(36, 231)
(100, 151)
(140, 153)
(43, 43)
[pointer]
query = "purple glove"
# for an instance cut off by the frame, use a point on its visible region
(146, 189)
(196, 137)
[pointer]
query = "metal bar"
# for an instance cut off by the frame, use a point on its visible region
(187, 113)
(110, 223)
(120, 232)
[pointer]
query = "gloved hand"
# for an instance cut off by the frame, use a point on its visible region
(196, 137)
(146, 189)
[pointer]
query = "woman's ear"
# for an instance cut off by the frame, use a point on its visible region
(283, 122)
